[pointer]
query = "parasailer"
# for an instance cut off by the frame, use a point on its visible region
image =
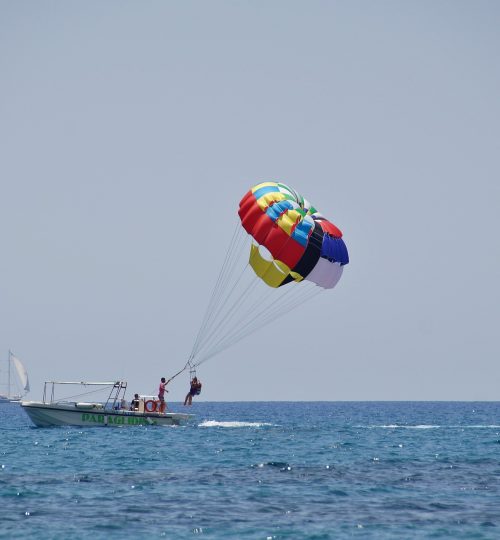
(282, 253)
(194, 390)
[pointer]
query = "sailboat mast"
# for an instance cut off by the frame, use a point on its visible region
(8, 375)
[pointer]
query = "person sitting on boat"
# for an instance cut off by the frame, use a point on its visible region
(161, 393)
(122, 404)
(194, 390)
(134, 404)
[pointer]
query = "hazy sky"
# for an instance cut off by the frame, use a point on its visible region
(130, 130)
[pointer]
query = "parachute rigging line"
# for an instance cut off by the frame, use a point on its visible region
(217, 288)
(246, 312)
(259, 320)
(224, 289)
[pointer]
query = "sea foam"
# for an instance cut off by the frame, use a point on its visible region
(215, 423)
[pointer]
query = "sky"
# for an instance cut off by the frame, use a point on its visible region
(130, 130)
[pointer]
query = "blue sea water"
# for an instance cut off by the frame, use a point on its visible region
(264, 470)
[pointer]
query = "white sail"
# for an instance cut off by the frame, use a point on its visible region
(21, 372)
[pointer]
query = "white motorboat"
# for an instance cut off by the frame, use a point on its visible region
(115, 411)
(16, 386)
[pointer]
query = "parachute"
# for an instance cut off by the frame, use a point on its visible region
(301, 242)
(283, 252)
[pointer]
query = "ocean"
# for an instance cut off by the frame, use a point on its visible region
(259, 470)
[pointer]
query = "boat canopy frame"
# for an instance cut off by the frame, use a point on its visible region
(116, 394)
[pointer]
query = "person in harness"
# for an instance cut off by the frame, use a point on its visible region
(194, 390)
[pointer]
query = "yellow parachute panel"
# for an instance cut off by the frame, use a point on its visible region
(269, 199)
(271, 272)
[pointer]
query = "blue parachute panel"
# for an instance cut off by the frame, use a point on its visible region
(334, 249)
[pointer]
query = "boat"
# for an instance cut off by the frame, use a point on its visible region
(17, 386)
(114, 411)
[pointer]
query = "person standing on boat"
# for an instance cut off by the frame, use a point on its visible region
(161, 393)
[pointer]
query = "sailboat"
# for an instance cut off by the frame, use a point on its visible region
(17, 386)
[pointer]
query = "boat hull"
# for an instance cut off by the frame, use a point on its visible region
(12, 399)
(94, 415)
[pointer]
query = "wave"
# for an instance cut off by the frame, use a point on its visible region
(432, 426)
(420, 426)
(215, 423)
(281, 465)
(490, 426)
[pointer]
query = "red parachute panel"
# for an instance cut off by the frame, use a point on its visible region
(330, 228)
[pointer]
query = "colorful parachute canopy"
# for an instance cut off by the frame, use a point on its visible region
(293, 241)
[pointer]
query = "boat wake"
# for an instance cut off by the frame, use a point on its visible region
(215, 423)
